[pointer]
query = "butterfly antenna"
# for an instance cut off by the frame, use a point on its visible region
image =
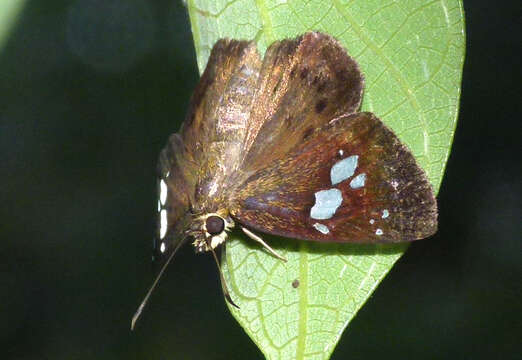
(222, 278)
(146, 299)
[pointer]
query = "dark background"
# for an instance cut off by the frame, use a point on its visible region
(84, 112)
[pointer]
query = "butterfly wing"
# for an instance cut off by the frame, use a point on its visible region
(303, 84)
(350, 181)
(176, 178)
(241, 103)
(218, 116)
(194, 163)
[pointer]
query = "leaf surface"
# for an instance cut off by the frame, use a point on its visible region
(411, 53)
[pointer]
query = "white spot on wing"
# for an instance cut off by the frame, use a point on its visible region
(321, 228)
(163, 223)
(385, 213)
(378, 232)
(162, 247)
(372, 221)
(163, 192)
(341, 152)
(358, 181)
(343, 169)
(159, 206)
(326, 204)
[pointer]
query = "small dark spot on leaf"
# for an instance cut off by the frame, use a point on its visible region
(295, 284)
(319, 107)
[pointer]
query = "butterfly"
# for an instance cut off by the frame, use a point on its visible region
(276, 145)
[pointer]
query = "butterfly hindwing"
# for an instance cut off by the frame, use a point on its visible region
(350, 181)
(176, 183)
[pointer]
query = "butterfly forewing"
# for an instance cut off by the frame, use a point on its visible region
(349, 181)
(195, 163)
(303, 84)
(218, 116)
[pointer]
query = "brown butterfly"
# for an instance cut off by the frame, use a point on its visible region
(276, 145)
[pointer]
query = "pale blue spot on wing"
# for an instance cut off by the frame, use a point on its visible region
(343, 169)
(378, 232)
(321, 228)
(385, 214)
(358, 181)
(326, 204)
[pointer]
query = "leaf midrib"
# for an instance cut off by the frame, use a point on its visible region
(266, 21)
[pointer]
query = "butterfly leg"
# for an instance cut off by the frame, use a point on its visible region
(254, 237)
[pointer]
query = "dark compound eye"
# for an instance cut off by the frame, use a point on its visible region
(215, 225)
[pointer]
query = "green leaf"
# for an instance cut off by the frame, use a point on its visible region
(9, 11)
(411, 53)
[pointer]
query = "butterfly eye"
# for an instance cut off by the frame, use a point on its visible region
(215, 225)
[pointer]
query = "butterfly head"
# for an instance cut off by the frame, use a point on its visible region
(210, 230)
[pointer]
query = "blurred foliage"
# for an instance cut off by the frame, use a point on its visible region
(9, 11)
